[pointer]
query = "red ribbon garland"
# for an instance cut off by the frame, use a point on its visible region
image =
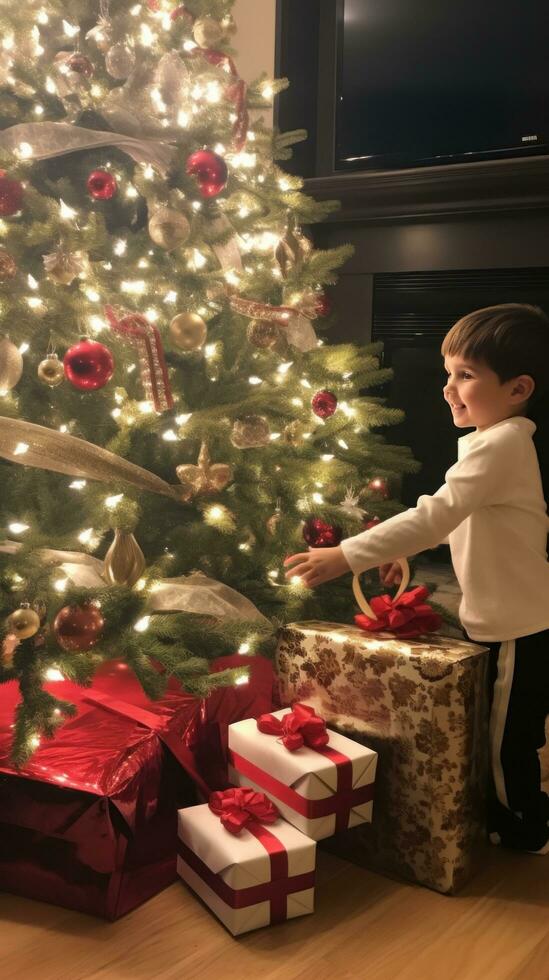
(242, 806)
(406, 617)
(301, 726)
(236, 92)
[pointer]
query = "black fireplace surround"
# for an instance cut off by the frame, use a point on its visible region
(430, 243)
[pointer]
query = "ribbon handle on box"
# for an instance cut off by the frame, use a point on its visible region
(301, 726)
(361, 598)
(406, 615)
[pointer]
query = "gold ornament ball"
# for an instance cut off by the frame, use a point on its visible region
(23, 623)
(8, 268)
(208, 32)
(51, 371)
(188, 331)
(263, 334)
(169, 228)
(11, 365)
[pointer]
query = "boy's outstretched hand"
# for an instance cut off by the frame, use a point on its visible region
(317, 565)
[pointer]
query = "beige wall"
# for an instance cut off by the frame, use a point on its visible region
(255, 39)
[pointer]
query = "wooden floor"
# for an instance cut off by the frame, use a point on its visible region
(365, 926)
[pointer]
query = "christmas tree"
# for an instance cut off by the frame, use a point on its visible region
(168, 407)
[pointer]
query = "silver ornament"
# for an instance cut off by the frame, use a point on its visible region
(251, 432)
(169, 228)
(101, 34)
(11, 365)
(208, 32)
(63, 267)
(120, 60)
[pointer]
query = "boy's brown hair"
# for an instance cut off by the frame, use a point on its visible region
(511, 338)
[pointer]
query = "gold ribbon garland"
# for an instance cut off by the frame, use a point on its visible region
(35, 445)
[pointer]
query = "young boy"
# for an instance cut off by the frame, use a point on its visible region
(492, 512)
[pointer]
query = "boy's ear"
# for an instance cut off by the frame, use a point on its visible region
(523, 388)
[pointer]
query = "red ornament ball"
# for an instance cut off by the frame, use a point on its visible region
(370, 522)
(101, 185)
(323, 305)
(11, 195)
(80, 64)
(324, 404)
(318, 534)
(380, 486)
(88, 365)
(78, 627)
(181, 11)
(210, 170)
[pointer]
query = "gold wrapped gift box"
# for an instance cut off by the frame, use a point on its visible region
(422, 706)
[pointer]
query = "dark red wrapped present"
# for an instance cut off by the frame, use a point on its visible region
(90, 822)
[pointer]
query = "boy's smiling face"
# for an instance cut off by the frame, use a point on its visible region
(477, 397)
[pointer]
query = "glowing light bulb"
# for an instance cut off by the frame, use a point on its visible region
(112, 502)
(142, 624)
(16, 527)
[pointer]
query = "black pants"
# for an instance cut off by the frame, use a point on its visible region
(519, 686)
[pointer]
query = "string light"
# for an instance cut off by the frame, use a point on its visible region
(60, 584)
(71, 30)
(112, 502)
(65, 212)
(16, 527)
(53, 674)
(87, 536)
(243, 680)
(21, 448)
(142, 624)
(24, 151)
(77, 485)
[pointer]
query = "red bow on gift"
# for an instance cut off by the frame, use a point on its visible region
(406, 616)
(301, 726)
(241, 806)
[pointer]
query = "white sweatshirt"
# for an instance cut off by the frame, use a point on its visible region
(493, 514)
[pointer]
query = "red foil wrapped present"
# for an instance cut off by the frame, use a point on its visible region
(90, 822)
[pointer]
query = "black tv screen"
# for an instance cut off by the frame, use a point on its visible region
(427, 82)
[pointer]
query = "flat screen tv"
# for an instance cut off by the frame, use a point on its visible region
(431, 82)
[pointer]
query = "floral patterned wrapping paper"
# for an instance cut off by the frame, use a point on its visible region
(423, 707)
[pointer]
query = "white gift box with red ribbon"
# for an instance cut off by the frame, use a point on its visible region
(321, 790)
(256, 877)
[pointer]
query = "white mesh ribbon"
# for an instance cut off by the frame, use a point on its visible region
(195, 593)
(54, 139)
